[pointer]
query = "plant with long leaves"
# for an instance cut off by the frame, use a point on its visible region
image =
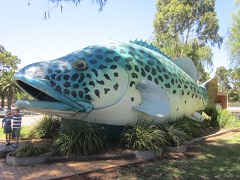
(145, 136)
(80, 138)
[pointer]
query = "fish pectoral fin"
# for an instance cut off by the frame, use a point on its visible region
(187, 65)
(155, 100)
(197, 117)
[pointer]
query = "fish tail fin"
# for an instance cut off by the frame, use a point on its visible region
(212, 87)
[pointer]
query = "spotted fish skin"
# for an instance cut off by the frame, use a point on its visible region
(104, 77)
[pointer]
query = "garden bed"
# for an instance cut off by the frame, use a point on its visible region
(26, 161)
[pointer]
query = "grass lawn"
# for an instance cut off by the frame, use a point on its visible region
(24, 130)
(213, 159)
(216, 159)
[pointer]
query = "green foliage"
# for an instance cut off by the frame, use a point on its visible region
(218, 159)
(213, 114)
(46, 127)
(222, 75)
(79, 138)
(145, 135)
(7, 86)
(31, 149)
(226, 119)
(190, 127)
(233, 41)
(222, 118)
(149, 135)
(184, 28)
(22, 95)
(7, 60)
(24, 133)
(229, 82)
(174, 135)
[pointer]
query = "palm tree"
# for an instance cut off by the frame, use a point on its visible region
(8, 86)
(2, 97)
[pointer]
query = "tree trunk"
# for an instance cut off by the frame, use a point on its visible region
(2, 100)
(9, 101)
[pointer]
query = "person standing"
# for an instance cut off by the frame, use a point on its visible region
(6, 125)
(16, 124)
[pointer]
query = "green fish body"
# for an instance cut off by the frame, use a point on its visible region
(114, 83)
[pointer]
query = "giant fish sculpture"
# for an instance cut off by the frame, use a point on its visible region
(115, 83)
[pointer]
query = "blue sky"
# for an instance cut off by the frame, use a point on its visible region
(24, 33)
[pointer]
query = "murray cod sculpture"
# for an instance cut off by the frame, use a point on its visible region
(115, 83)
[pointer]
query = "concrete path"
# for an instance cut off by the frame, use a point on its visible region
(48, 171)
(28, 120)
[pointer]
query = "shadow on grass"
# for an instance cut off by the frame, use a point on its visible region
(215, 159)
(218, 159)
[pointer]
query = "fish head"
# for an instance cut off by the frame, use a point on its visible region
(82, 81)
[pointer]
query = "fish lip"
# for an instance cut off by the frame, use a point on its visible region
(37, 88)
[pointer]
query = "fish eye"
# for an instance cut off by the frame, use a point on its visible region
(80, 65)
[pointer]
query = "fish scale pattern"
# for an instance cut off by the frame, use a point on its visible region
(101, 71)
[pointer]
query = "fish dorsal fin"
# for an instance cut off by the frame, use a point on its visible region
(187, 65)
(155, 100)
(149, 46)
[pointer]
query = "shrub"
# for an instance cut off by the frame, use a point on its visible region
(174, 135)
(226, 119)
(31, 149)
(190, 127)
(144, 136)
(46, 127)
(213, 114)
(79, 138)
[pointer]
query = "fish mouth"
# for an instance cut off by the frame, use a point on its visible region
(46, 97)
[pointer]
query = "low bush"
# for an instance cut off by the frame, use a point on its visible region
(145, 135)
(191, 128)
(226, 119)
(213, 114)
(31, 149)
(46, 127)
(174, 135)
(79, 138)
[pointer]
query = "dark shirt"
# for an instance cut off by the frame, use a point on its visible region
(7, 122)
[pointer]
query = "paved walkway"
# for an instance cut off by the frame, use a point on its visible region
(57, 170)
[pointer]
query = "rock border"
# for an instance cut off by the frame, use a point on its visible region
(128, 154)
(5, 149)
(177, 149)
(26, 161)
(124, 155)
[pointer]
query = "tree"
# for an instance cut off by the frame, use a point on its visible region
(7, 60)
(234, 93)
(222, 74)
(185, 28)
(54, 4)
(233, 41)
(229, 82)
(8, 86)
